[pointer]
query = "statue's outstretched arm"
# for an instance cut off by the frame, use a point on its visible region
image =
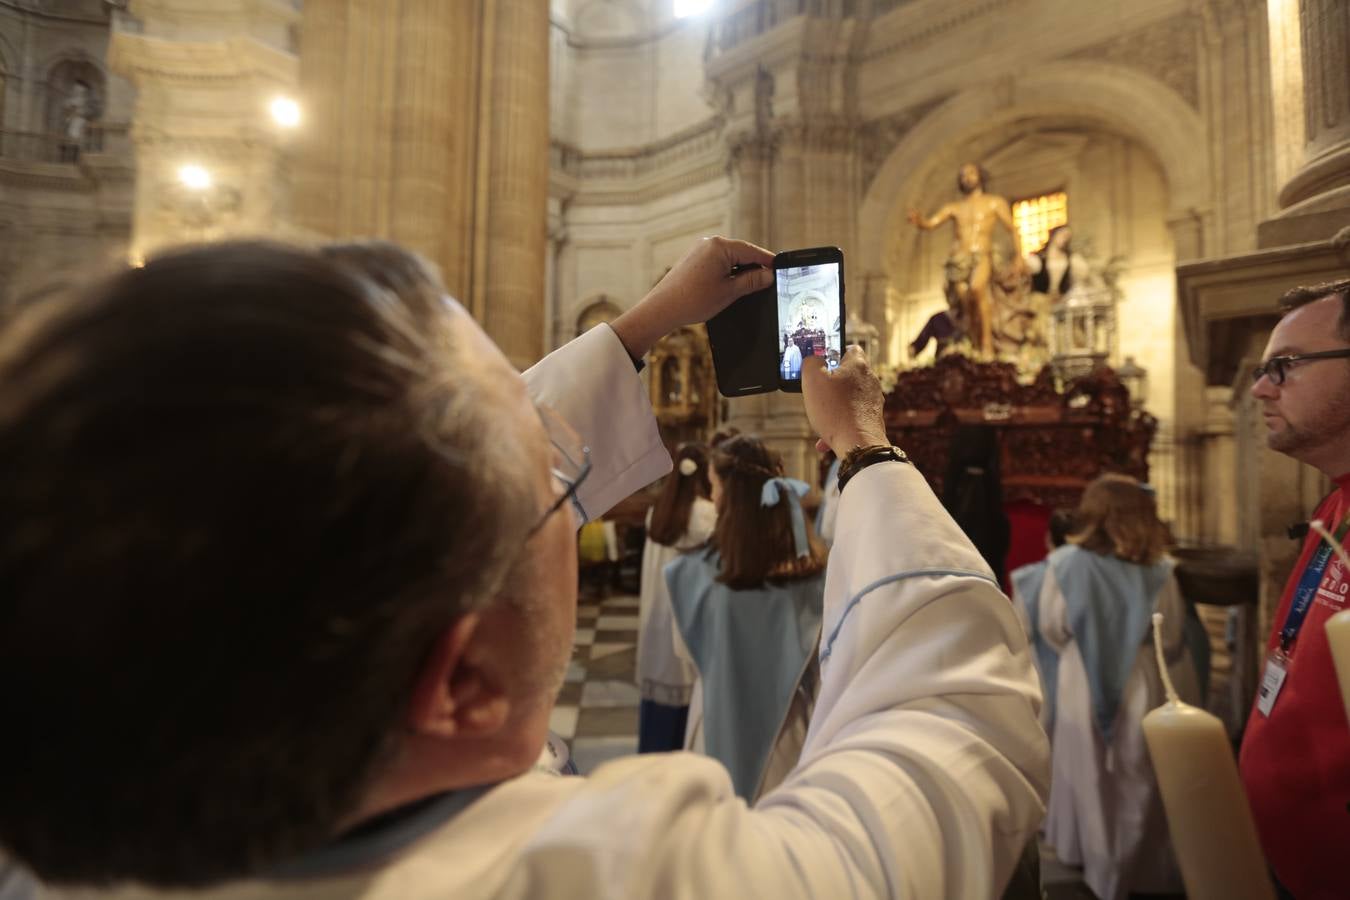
(942, 215)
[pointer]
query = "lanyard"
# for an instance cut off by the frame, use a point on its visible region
(1308, 584)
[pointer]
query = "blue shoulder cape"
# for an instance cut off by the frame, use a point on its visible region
(1110, 605)
(1027, 582)
(751, 648)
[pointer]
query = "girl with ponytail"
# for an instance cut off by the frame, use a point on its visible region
(681, 520)
(749, 609)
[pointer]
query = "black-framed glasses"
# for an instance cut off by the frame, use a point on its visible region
(571, 464)
(1277, 367)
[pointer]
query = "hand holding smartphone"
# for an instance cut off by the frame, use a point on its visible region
(759, 342)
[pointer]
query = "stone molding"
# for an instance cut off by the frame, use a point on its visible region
(140, 58)
(638, 175)
(880, 136)
(923, 22)
(222, 13)
(830, 132)
(1218, 296)
(578, 41)
(46, 176)
(228, 147)
(1165, 50)
(630, 162)
(49, 15)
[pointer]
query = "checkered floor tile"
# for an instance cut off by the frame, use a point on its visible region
(597, 709)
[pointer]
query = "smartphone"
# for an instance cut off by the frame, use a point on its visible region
(744, 352)
(809, 289)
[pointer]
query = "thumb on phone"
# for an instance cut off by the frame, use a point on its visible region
(844, 406)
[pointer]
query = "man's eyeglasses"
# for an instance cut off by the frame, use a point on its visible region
(571, 464)
(1277, 367)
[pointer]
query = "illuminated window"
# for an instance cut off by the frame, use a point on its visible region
(685, 8)
(1035, 216)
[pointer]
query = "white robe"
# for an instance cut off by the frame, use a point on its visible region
(1105, 812)
(924, 772)
(664, 671)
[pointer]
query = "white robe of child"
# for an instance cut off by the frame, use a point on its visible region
(665, 672)
(1105, 813)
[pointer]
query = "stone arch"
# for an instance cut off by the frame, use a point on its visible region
(596, 311)
(1110, 97)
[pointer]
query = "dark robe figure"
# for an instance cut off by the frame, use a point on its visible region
(973, 493)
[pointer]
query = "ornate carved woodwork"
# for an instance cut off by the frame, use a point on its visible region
(683, 386)
(1053, 442)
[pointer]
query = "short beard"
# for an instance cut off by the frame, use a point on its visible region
(1306, 444)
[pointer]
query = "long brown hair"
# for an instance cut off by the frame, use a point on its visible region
(670, 513)
(1118, 516)
(755, 542)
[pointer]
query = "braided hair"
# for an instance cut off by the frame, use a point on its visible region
(755, 542)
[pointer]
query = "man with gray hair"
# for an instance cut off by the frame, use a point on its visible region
(288, 587)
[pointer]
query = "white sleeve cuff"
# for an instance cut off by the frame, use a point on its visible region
(592, 383)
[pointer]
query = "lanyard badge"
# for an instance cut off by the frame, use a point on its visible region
(1279, 659)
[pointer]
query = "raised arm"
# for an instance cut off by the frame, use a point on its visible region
(942, 215)
(592, 381)
(715, 272)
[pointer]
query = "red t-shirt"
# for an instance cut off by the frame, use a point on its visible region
(1296, 762)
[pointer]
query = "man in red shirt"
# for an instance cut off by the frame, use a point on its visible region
(1295, 757)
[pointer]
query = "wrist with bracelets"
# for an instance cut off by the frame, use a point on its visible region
(861, 457)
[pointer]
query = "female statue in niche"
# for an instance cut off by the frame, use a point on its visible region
(75, 114)
(1055, 268)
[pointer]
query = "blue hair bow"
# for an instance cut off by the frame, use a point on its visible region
(780, 488)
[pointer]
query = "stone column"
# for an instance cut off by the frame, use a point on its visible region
(205, 73)
(1325, 31)
(430, 128)
(1315, 201)
(508, 293)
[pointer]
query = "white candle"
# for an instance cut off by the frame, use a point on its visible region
(1207, 809)
(1338, 626)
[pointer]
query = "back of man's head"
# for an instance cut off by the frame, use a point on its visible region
(242, 495)
(1302, 296)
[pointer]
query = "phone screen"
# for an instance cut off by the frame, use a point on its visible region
(808, 317)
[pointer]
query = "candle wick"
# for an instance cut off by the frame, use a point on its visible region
(1318, 526)
(1162, 661)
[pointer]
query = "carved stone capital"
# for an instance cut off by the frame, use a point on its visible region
(881, 136)
(832, 133)
(1165, 50)
(750, 147)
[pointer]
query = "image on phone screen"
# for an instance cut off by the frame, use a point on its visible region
(808, 317)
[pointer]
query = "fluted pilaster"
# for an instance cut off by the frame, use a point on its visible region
(1323, 181)
(510, 300)
(430, 128)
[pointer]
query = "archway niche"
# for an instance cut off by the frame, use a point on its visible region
(1129, 152)
(598, 311)
(76, 88)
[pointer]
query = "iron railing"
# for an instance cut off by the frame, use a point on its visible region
(29, 146)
